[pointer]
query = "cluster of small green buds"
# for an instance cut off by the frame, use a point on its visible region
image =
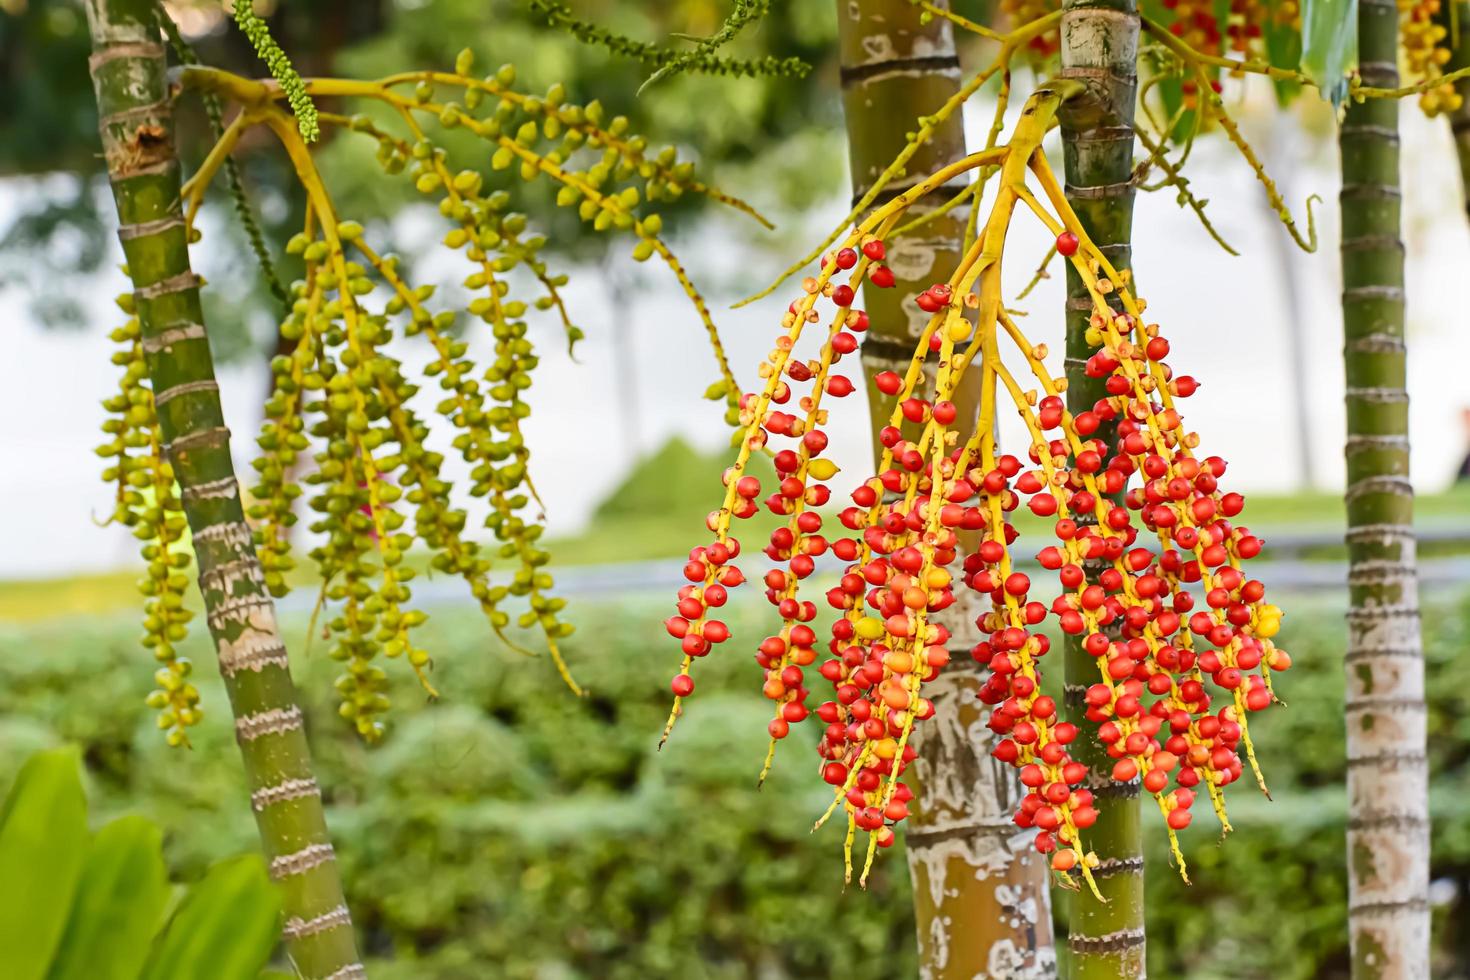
(280, 67)
(344, 432)
(148, 502)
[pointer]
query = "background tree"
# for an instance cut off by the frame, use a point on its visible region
(981, 901)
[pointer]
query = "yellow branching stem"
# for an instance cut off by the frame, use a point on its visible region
(1217, 112)
(1174, 177)
(1362, 93)
(624, 156)
(1194, 57)
(963, 23)
(1011, 43)
(1194, 67)
(377, 490)
(1161, 662)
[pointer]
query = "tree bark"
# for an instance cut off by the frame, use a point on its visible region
(980, 889)
(1099, 41)
(1388, 826)
(136, 117)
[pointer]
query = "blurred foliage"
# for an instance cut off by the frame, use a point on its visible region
(510, 830)
(515, 830)
(660, 484)
(744, 132)
(81, 906)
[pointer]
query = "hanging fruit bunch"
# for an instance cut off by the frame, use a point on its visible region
(1252, 30)
(1176, 680)
(147, 500)
(1021, 12)
(347, 429)
(1426, 40)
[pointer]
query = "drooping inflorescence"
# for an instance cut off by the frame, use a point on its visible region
(279, 65)
(347, 431)
(148, 502)
(1136, 533)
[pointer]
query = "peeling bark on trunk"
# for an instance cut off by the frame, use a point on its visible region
(1388, 825)
(1100, 48)
(980, 889)
(136, 116)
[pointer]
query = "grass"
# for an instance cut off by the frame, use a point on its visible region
(657, 513)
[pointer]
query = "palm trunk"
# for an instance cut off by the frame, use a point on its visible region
(1100, 47)
(980, 890)
(1388, 826)
(128, 72)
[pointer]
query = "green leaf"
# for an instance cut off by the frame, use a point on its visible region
(119, 906)
(1330, 45)
(1283, 50)
(43, 844)
(225, 929)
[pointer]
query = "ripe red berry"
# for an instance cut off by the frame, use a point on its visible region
(682, 685)
(846, 258)
(1067, 244)
(888, 382)
(839, 386)
(882, 277)
(874, 250)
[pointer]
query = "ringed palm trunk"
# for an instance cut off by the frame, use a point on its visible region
(1100, 47)
(1388, 826)
(128, 73)
(980, 890)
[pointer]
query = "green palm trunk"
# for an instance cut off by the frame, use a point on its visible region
(1100, 47)
(980, 891)
(128, 72)
(1388, 827)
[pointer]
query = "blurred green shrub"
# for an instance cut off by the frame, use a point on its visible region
(513, 829)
